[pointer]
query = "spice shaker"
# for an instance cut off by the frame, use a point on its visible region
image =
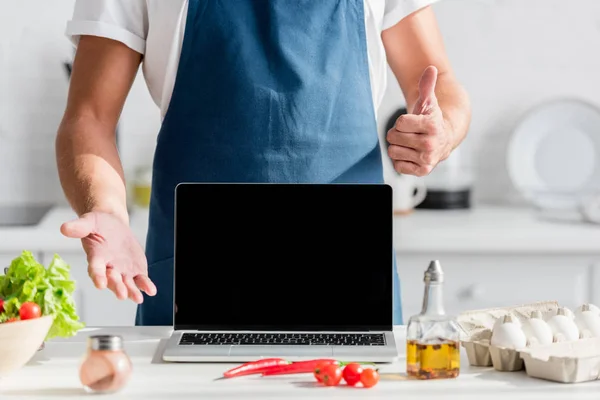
(106, 367)
(432, 337)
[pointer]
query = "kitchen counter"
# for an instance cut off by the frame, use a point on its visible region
(494, 230)
(482, 229)
(52, 373)
(46, 236)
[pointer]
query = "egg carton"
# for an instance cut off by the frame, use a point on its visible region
(561, 361)
(477, 332)
(566, 362)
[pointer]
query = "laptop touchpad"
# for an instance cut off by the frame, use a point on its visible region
(275, 351)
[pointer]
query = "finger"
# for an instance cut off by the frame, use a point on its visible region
(145, 284)
(79, 228)
(410, 168)
(428, 82)
(115, 283)
(134, 293)
(401, 153)
(416, 141)
(411, 123)
(97, 271)
(427, 99)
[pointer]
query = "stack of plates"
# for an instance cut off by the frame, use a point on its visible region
(554, 156)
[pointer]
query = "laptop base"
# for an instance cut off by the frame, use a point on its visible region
(175, 352)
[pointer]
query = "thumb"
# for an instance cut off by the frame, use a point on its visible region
(427, 99)
(79, 228)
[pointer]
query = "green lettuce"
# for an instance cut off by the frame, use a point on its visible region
(51, 288)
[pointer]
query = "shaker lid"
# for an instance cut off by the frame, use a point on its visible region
(105, 342)
(434, 272)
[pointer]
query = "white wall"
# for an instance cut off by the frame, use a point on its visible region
(510, 55)
(33, 92)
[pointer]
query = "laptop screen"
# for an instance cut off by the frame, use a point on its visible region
(283, 257)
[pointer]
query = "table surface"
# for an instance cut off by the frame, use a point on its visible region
(52, 374)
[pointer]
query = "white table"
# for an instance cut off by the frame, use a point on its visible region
(52, 374)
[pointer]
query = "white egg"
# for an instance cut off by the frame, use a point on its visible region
(537, 331)
(587, 307)
(500, 320)
(566, 312)
(588, 321)
(508, 334)
(563, 327)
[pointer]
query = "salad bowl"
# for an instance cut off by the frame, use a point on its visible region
(19, 341)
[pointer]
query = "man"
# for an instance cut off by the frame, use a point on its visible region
(250, 91)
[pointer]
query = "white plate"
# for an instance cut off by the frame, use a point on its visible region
(554, 154)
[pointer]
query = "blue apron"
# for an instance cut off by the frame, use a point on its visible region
(272, 91)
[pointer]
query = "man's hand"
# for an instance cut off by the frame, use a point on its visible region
(419, 141)
(115, 258)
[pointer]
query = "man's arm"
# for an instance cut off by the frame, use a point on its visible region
(413, 45)
(88, 161)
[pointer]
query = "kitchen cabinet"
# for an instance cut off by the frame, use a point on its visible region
(95, 307)
(475, 281)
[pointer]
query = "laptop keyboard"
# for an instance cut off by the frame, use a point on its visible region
(302, 339)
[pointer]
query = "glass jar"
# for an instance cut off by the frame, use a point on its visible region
(142, 187)
(105, 368)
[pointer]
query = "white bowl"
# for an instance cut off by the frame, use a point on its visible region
(20, 340)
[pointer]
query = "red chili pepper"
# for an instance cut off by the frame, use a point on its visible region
(255, 367)
(300, 367)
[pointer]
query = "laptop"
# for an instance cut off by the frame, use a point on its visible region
(297, 271)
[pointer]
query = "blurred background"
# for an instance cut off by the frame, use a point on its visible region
(513, 215)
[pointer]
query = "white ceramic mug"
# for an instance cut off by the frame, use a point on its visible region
(409, 192)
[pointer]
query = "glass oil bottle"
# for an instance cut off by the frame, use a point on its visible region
(433, 338)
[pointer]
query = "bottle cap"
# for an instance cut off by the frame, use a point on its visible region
(434, 272)
(105, 342)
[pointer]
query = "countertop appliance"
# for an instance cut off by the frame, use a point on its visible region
(449, 185)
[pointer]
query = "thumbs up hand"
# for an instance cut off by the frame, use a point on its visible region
(420, 140)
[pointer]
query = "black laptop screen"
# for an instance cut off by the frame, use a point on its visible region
(283, 257)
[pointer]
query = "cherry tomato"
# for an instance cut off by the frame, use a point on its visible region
(29, 310)
(318, 372)
(369, 377)
(1, 306)
(332, 375)
(351, 373)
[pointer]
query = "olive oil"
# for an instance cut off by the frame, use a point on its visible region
(432, 361)
(432, 337)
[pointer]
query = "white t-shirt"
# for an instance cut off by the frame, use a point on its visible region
(155, 28)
